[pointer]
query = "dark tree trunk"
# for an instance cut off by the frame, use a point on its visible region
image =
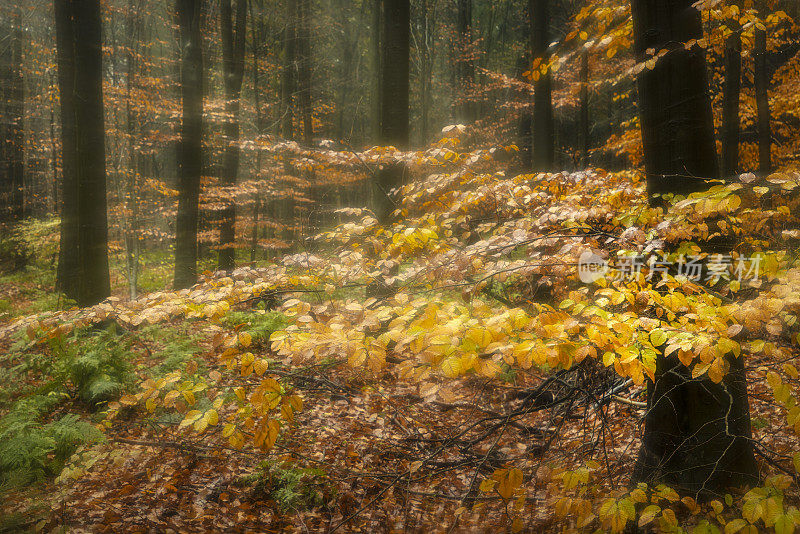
(304, 68)
(233, 48)
(584, 119)
(12, 150)
(543, 128)
(83, 260)
(190, 15)
(696, 433)
(674, 106)
(730, 105)
(288, 73)
(254, 239)
(465, 65)
(375, 66)
(525, 119)
(762, 103)
(394, 128)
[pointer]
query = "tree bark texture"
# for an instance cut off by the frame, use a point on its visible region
(83, 259)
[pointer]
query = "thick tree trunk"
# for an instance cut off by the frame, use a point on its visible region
(83, 259)
(543, 127)
(394, 128)
(674, 106)
(190, 14)
(233, 48)
(12, 150)
(304, 68)
(584, 119)
(730, 105)
(696, 433)
(762, 103)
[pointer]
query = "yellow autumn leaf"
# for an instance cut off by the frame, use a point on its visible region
(452, 366)
(190, 417)
(245, 339)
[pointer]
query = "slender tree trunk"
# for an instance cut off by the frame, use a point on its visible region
(394, 100)
(674, 106)
(257, 36)
(288, 70)
(375, 62)
(524, 136)
(730, 105)
(696, 433)
(465, 65)
(55, 159)
(190, 150)
(257, 44)
(83, 260)
(132, 234)
(584, 119)
(233, 50)
(12, 150)
(304, 68)
(762, 103)
(254, 239)
(543, 127)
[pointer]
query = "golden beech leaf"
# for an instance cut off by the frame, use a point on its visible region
(190, 418)
(452, 367)
(563, 506)
(487, 485)
(273, 428)
(188, 396)
(504, 489)
(200, 425)
(686, 357)
(128, 400)
(287, 414)
(648, 514)
(260, 435)
(735, 526)
(658, 337)
(296, 402)
(784, 524)
(171, 397)
(515, 477)
(715, 372)
(771, 511)
(791, 371)
(260, 366)
(245, 339)
(212, 417)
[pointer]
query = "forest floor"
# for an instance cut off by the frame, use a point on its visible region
(344, 466)
(110, 420)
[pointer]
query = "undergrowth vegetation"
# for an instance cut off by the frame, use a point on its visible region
(481, 309)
